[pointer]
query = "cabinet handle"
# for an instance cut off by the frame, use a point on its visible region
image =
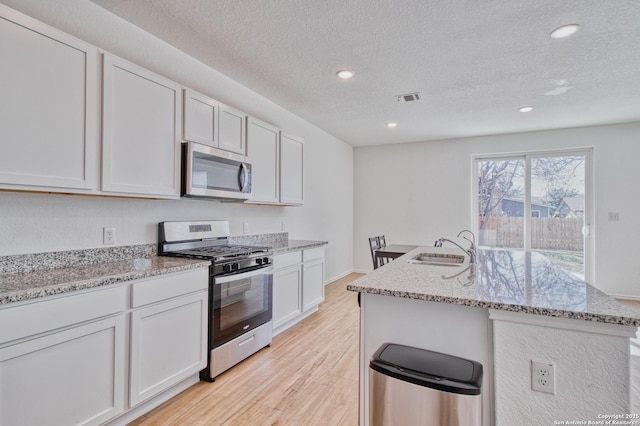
(245, 341)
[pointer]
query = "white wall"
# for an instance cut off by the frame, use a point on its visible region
(31, 223)
(417, 192)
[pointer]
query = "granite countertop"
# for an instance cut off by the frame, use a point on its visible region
(515, 281)
(19, 282)
(293, 245)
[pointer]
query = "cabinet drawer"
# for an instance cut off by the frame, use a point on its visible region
(313, 253)
(46, 315)
(287, 259)
(168, 286)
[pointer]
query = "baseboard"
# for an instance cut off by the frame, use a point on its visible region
(344, 274)
(626, 297)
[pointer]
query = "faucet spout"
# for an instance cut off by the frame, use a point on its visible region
(471, 251)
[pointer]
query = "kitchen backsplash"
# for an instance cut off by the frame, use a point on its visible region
(260, 239)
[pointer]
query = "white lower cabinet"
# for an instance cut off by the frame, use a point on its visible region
(287, 288)
(298, 286)
(168, 344)
(70, 373)
(312, 278)
(63, 360)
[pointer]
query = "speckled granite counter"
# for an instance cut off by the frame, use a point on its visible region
(512, 281)
(279, 242)
(293, 245)
(32, 276)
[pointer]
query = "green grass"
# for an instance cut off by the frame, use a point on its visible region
(572, 261)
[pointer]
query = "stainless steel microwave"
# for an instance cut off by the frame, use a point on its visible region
(209, 172)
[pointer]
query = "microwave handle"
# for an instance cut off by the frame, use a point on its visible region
(244, 176)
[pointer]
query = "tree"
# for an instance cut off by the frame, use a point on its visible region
(496, 180)
(554, 196)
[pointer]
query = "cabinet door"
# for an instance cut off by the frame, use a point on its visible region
(140, 133)
(72, 377)
(313, 284)
(168, 344)
(287, 286)
(263, 152)
(47, 107)
(291, 169)
(200, 118)
(232, 129)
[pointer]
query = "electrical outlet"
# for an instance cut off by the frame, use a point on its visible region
(614, 216)
(543, 377)
(283, 227)
(108, 236)
(245, 227)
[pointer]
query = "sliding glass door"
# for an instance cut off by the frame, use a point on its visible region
(537, 201)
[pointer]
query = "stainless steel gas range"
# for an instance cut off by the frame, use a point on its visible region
(240, 289)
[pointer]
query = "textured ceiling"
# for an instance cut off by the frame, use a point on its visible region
(474, 61)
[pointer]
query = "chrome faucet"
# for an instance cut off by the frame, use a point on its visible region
(471, 251)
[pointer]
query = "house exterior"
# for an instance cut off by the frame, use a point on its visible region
(514, 207)
(570, 207)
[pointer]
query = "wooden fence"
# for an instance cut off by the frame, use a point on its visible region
(547, 233)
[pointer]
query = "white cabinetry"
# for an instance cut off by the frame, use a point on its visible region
(47, 107)
(212, 123)
(298, 286)
(140, 131)
(291, 169)
(287, 288)
(62, 360)
(200, 118)
(263, 149)
(312, 277)
(168, 334)
(277, 160)
(232, 134)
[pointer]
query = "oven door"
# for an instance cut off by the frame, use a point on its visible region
(240, 303)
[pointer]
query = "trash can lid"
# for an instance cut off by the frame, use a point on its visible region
(427, 368)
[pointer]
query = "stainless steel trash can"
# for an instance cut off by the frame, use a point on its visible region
(410, 386)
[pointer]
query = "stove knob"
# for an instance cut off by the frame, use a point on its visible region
(226, 268)
(259, 261)
(234, 266)
(265, 260)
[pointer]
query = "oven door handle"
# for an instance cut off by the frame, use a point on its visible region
(228, 278)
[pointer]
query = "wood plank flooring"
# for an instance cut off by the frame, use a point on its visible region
(308, 376)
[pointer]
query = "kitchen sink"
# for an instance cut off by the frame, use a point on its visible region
(438, 259)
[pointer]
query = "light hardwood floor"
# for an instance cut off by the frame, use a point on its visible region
(308, 376)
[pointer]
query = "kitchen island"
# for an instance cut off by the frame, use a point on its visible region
(509, 309)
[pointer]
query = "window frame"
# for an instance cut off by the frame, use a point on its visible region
(527, 156)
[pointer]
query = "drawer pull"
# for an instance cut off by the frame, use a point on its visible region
(245, 341)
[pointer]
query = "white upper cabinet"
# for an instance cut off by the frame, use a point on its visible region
(48, 107)
(200, 118)
(291, 169)
(232, 129)
(263, 150)
(140, 131)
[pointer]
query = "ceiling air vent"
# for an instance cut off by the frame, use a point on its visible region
(409, 97)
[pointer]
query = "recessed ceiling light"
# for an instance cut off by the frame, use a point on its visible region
(526, 109)
(565, 31)
(392, 124)
(345, 74)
